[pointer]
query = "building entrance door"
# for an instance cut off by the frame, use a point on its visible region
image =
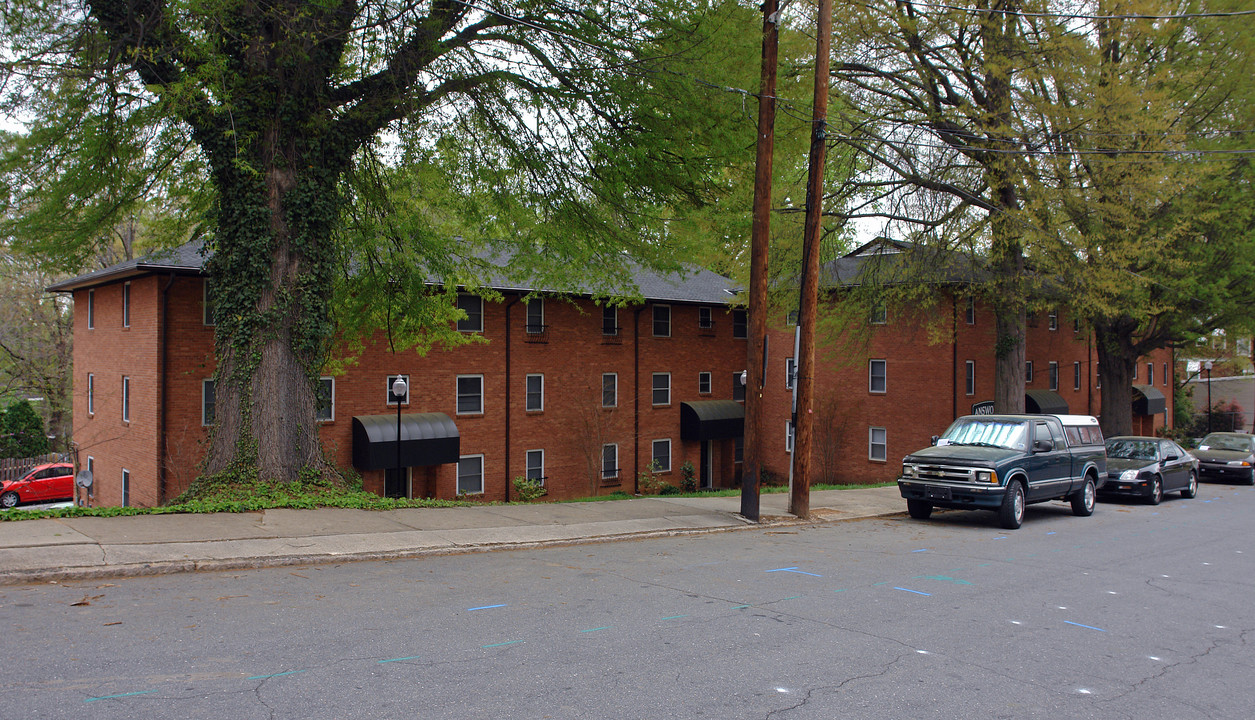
(396, 484)
(706, 471)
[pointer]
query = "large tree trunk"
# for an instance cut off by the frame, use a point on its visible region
(1116, 357)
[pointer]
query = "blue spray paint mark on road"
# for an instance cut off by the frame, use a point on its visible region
(917, 592)
(1087, 627)
(794, 570)
(412, 657)
(943, 578)
(920, 550)
(263, 677)
(484, 607)
(511, 642)
(1052, 532)
(119, 695)
(674, 617)
(606, 627)
(740, 607)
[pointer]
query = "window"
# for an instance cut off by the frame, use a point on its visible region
(879, 314)
(1054, 375)
(126, 399)
(790, 373)
(609, 390)
(470, 394)
(738, 387)
(207, 302)
(126, 487)
(536, 466)
(404, 399)
(609, 461)
(1097, 377)
(662, 321)
(91, 309)
(738, 450)
(969, 380)
(208, 401)
(535, 393)
(1150, 373)
(326, 399)
(473, 306)
(126, 305)
(1053, 318)
(662, 455)
(788, 436)
(740, 324)
(1028, 371)
(535, 316)
(91, 466)
(704, 321)
(1164, 377)
(1076, 325)
(876, 376)
(703, 383)
(610, 320)
(1076, 376)
(969, 313)
(91, 394)
(471, 475)
(877, 443)
(662, 389)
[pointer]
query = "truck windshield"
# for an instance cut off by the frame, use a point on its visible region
(993, 433)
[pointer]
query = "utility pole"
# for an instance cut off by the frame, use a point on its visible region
(760, 236)
(804, 417)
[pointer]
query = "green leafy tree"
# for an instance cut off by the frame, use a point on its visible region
(368, 147)
(36, 332)
(22, 431)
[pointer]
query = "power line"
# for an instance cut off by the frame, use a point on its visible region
(1081, 16)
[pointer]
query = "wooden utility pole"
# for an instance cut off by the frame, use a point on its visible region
(804, 417)
(760, 235)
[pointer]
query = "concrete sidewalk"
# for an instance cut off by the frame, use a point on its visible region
(81, 548)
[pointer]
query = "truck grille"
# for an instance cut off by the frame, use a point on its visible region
(944, 472)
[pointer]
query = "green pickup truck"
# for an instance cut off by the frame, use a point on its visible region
(1004, 462)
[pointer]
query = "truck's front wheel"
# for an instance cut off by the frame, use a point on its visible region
(919, 509)
(1083, 499)
(1011, 514)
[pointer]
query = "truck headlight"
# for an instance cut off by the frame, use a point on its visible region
(909, 471)
(986, 476)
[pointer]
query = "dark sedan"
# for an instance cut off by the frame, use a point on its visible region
(1148, 467)
(1227, 456)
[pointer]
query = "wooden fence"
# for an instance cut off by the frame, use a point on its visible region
(14, 468)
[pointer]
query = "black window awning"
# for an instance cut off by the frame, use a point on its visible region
(426, 439)
(1148, 401)
(712, 420)
(1045, 402)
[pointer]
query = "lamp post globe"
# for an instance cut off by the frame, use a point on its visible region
(1207, 366)
(399, 389)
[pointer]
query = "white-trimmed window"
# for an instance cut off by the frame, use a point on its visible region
(1134, 371)
(1053, 318)
(1097, 377)
(473, 306)
(969, 377)
(609, 390)
(536, 466)
(703, 383)
(535, 316)
(661, 389)
(879, 314)
(609, 461)
(1076, 375)
(471, 475)
(207, 302)
(790, 372)
(877, 376)
(662, 321)
(91, 394)
(404, 399)
(208, 401)
(535, 393)
(704, 319)
(470, 395)
(126, 399)
(1028, 371)
(740, 324)
(126, 304)
(738, 388)
(610, 320)
(126, 487)
(1164, 377)
(662, 455)
(788, 436)
(91, 468)
(327, 399)
(877, 443)
(1150, 373)
(969, 312)
(1054, 375)
(91, 309)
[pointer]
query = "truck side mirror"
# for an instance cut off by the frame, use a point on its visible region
(935, 439)
(1043, 446)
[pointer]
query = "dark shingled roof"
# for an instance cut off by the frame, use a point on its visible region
(888, 262)
(693, 285)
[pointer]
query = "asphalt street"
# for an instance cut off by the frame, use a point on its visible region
(1135, 612)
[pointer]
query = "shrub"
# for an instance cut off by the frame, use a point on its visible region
(688, 475)
(528, 490)
(648, 482)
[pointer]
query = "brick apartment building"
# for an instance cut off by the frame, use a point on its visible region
(582, 396)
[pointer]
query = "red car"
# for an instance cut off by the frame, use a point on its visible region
(44, 483)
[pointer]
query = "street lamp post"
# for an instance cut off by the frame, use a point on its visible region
(1207, 366)
(399, 389)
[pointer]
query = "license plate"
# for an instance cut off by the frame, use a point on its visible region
(938, 493)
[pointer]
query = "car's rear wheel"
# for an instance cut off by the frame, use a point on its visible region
(1191, 488)
(8, 500)
(1156, 491)
(919, 509)
(1083, 499)
(1011, 513)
